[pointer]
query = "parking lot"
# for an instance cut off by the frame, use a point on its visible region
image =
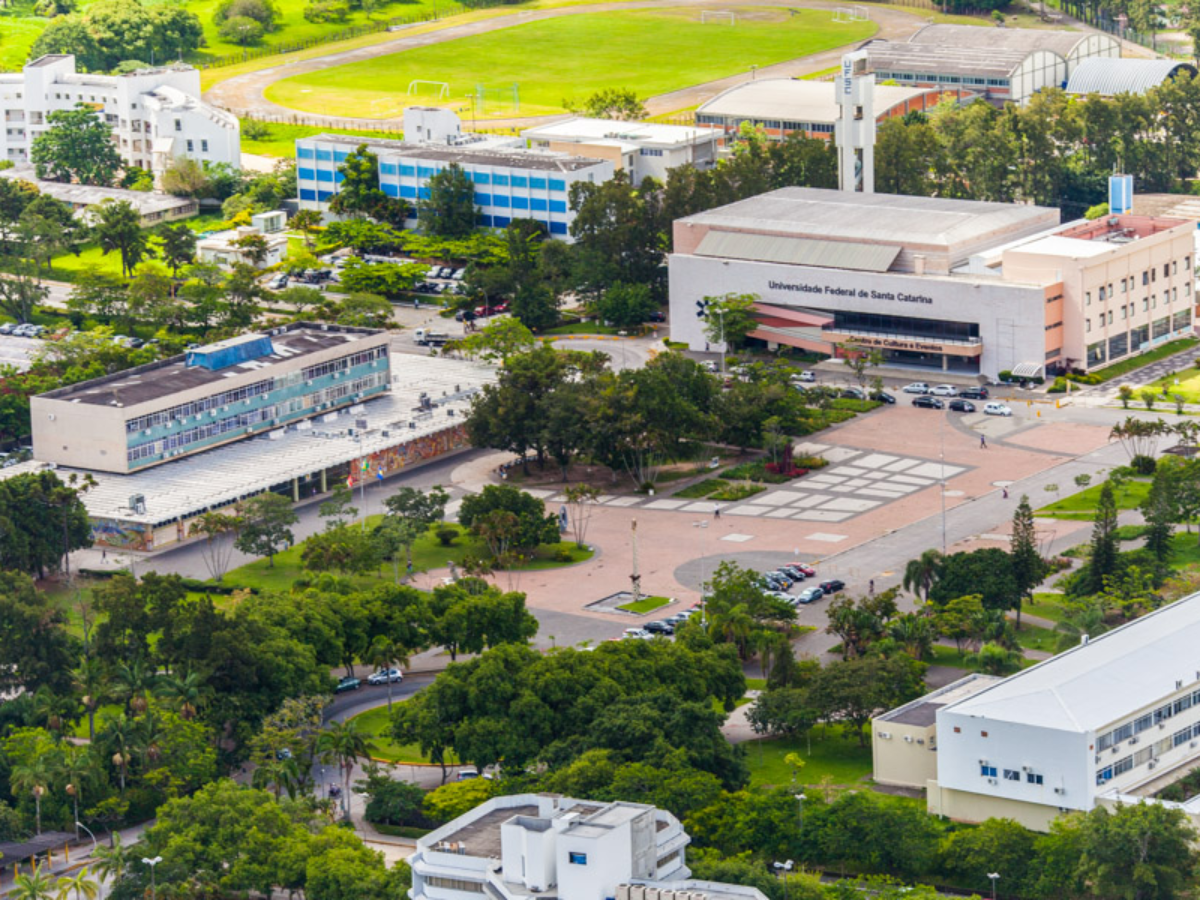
(17, 351)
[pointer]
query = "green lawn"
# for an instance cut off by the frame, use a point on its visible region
(576, 56)
(18, 31)
(103, 714)
(645, 605)
(578, 328)
(377, 724)
(1125, 366)
(1188, 388)
(1082, 505)
(281, 142)
(842, 760)
(702, 489)
(1046, 606)
(1034, 637)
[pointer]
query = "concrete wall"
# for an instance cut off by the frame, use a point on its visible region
(963, 806)
(906, 757)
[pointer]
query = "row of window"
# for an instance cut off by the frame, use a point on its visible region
(203, 146)
(1153, 751)
(943, 79)
(415, 170)
(342, 363)
(987, 770)
(1133, 340)
(776, 124)
(1148, 303)
(455, 884)
(321, 155)
(1149, 276)
(486, 221)
(1149, 720)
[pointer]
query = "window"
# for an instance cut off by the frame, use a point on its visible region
(1012, 775)
(387, 168)
(987, 771)
(556, 185)
(1110, 317)
(1033, 778)
(1145, 278)
(520, 181)
(537, 184)
(1103, 295)
(1166, 270)
(179, 125)
(1087, 324)
(577, 859)
(203, 146)
(456, 884)
(957, 730)
(1175, 267)
(650, 151)
(1087, 299)
(983, 734)
(189, 147)
(304, 152)
(1124, 286)
(1145, 304)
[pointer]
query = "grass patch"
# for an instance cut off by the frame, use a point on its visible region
(645, 605)
(579, 328)
(1082, 505)
(1035, 637)
(858, 406)
(702, 489)
(404, 831)
(20, 30)
(281, 142)
(736, 492)
(833, 755)
(1188, 388)
(577, 55)
(104, 714)
(1046, 606)
(378, 724)
(1125, 366)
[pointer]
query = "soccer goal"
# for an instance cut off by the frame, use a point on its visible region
(442, 88)
(497, 100)
(718, 17)
(842, 14)
(861, 14)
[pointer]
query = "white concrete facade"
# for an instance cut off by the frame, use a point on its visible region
(221, 248)
(156, 114)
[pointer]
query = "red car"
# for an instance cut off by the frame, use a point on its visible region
(809, 571)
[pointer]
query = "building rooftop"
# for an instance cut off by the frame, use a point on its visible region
(1014, 39)
(515, 158)
(1107, 76)
(918, 61)
(48, 60)
(922, 712)
(1096, 683)
(145, 202)
(162, 379)
(884, 218)
(794, 100)
(200, 481)
(581, 128)
(481, 837)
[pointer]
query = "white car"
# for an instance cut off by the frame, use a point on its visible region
(945, 390)
(806, 376)
(996, 409)
(917, 387)
(710, 366)
(636, 634)
(383, 676)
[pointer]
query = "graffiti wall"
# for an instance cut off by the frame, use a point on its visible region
(122, 535)
(415, 451)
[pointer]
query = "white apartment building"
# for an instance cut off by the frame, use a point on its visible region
(156, 114)
(543, 845)
(643, 149)
(1114, 719)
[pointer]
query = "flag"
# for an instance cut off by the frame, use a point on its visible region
(379, 474)
(366, 465)
(349, 481)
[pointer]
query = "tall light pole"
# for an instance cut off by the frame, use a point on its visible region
(994, 876)
(89, 833)
(152, 863)
(800, 810)
(942, 458)
(721, 317)
(782, 869)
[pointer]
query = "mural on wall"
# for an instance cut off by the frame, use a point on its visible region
(395, 458)
(122, 535)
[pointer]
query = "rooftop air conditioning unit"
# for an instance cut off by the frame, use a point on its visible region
(1152, 764)
(1133, 740)
(992, 781)
(1059, 790)
(921, 741)
(885, 735)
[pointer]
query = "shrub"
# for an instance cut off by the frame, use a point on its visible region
(563, 555)
(1143, 465)
(241, 30)
(810, 462)
(446, 535)
(1004, 375)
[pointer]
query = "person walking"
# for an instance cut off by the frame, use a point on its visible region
(1005, 490)
(871, 587)
(983, 442)
(716, 512)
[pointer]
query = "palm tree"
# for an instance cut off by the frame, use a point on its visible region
(186, 692)
(121, 737)
(112, 862)
(921, 573)
(344, 744)
(53, 710)
(133, 683)
(80, 770)
(92, 681)
(278, 775)
(1086, 620)
(35, 777)
(150, 733)
(84, 886)
(37, 885)
(914, 633)
(383, 654)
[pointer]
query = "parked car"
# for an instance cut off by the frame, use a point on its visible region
(457, 274)
(7, 327)
(445, 272)
(657, 316)
(975, 393)
(133, 343)
(466, 773)
(279, 282)
(852, 393)
(783, 572)
(810, 595)
(917, 387)
(963, 406)
(833, 586)
(349, 683)
(383, 676)
(794, 571)
(928, 403)
(636, 634)
(944, 390)
(662, 626)
(807, 570)
(806, 376)
(710, 366)
(996, 409)
(883, 397)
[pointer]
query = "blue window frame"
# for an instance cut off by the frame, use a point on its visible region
(408, 192)
(482, 178)
(387, 168)
(483, 199)
(520, 203)
(304, 152)
(537, 183)
(500, 221)
(322, 196)
(500, 179)
(324, 155)
(557, 185)
(558, 227)
(558, 206)
(407, 170)
(537, 204)
(577, 859)
(390, 189)
(423, 193)
(484, 221)
(500, 200)
(987, 771)
(424, 172)
(308, 194)
(306, 174)
(520, 181)
(339, 155)
(339, 177)
(323, 175)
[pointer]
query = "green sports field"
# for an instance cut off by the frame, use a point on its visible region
(557, 61)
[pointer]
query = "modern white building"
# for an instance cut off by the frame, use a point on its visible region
(1114, 719)
(953, 285)
(156, 114)
(525, 846)
(222, 248)
(643, 149)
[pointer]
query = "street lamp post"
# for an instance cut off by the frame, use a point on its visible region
(800, 809)
(782, 869)
(79, 825)
(721, 316)
(152, 863)
(994, 876)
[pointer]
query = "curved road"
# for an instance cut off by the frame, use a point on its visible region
(245, 94)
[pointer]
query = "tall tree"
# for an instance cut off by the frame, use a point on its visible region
(618, 235)
(177, 245)
(1028, 566)
(78, 146)
(449, 210)
(118, 228)
(921, 573)
(1142, 851)
(1157, 509)
(344, 745)
(1103, 560)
